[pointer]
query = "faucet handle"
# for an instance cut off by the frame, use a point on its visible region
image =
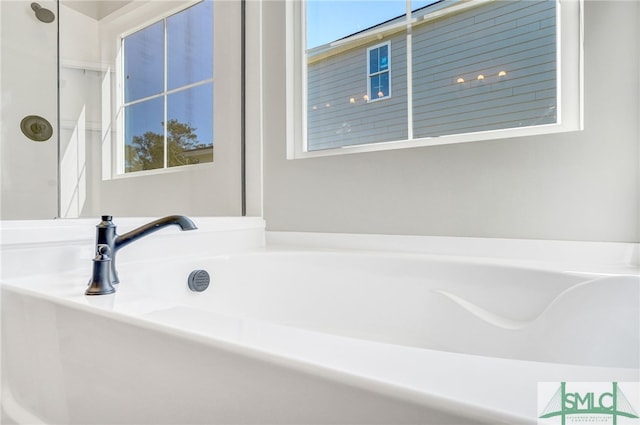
(103, 252)
(106, 222)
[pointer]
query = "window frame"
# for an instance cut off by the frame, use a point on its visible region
(120, 104)
(569, 77)
(370, 96)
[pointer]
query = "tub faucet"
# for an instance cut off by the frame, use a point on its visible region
(108, 243)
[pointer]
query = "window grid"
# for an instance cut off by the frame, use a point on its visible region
(356, 131)
(381, 74)
(164, 94)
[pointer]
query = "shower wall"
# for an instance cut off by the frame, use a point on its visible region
(33, 186)
(82, 76)
(28, 86)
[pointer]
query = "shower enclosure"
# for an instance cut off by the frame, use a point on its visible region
(29, 75)
(50, 110)
(60, 132)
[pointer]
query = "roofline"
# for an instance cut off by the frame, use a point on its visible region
(389, 20)
(384, 29)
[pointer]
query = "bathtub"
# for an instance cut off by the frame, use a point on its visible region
(295, 334)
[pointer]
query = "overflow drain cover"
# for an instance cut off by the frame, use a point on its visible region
(198, 280)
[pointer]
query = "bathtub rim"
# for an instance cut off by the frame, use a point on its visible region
(608, 258)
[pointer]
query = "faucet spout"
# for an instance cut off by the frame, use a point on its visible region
(181, 221)
(106, 236)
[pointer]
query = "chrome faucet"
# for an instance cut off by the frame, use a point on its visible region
(108, 243)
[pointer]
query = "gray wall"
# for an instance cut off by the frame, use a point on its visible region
(573, 186)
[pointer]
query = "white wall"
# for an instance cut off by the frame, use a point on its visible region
(208, 189)
(28, 86)
(572, 186)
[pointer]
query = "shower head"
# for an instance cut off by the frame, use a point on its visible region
(43, 15)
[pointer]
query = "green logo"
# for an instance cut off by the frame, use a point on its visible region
(589, 403)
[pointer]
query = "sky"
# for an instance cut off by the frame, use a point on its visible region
(330, 20)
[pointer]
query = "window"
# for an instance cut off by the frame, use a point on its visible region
(379, 66)
(462, 71)
(168, 91)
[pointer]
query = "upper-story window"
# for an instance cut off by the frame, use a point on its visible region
(168, 91)
(379, 71)
(462, 71)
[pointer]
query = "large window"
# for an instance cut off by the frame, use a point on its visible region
(462, 71)
(168, 91)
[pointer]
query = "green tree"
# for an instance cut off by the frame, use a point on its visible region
(146, 152)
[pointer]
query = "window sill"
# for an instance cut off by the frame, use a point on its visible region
(160, 171)
(438, 140)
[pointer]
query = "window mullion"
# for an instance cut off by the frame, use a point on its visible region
(166, 123)
(409, 56)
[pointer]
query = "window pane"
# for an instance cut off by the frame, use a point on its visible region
(384, 58)
(190, 126)
(331, 20)
(339, 86)
(190, 45)
(143, 63)
(143, 135)
(380, 86)
(373, 61)
(486, 68)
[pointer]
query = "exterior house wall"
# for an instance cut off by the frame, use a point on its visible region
(517, 37)
(334, 121)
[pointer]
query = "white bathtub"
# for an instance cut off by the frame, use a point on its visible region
(292, 336)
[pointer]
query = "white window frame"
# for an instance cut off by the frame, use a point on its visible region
(373, 97)
(128, 20)
(164, 94)
(570, 92)
(121, 105)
